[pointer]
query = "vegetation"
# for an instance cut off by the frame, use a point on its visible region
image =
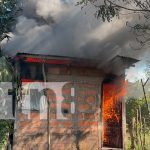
(6, 127)
(138, 124)
(108, 9)
(8, 12)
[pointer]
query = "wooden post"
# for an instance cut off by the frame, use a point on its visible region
(140, 122)
(137, 116)
(133, 135)
(145, 98)
(124, 122)
(144, 130)
(48, 109)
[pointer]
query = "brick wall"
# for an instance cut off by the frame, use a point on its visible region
(79, 131)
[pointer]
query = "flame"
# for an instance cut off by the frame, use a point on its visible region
(113, 94)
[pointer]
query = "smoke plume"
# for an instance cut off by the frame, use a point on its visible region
(58, 27)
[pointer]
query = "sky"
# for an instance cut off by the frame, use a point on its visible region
(136, 73)
(59, 27)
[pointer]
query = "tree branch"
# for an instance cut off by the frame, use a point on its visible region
(130, 9)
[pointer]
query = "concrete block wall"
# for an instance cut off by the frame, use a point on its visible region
(78, 132)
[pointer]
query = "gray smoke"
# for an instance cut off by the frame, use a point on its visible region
(58, 27)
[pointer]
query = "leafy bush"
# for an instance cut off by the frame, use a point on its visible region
(6, 128)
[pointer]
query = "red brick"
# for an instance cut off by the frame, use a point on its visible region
(52, 116)
(24, 124)
(80, 99)
(86, 124)
(58, 130)
(43, 116)
(34, 115)
(94, 107)
(69, 116)
(80, 116)
(94, 130)
(88, 92)
(53, 105)
(83, 107)
(22, 116)
(39, 123)
(66, 124)
(65, 105)
(91, 86)
(54, 123)
(58, 146)
(89, 116)
(91, 99)
(25, 131)
(67, 91)
(51, 95)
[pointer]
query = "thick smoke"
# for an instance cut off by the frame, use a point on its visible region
(58, 27)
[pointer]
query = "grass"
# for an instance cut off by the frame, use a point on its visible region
(138, 145)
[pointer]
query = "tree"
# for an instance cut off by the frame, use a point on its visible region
(108, 9)
(137, 123)
(6, 126)
(8, 12)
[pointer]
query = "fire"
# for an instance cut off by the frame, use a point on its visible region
(112, 113)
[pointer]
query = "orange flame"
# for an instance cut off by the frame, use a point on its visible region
(113, 94)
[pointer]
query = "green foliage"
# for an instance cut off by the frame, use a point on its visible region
(8, 11)
(5, 70)
(138, 145)
(132, 105)
(6, 126)
(110, 8)
(138, 124)
(106, 10)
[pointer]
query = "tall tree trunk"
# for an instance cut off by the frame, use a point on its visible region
(140, 122)
(144, 130)
(131, 132)
(137, 122)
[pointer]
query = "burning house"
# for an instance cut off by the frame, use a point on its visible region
(66, 103)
